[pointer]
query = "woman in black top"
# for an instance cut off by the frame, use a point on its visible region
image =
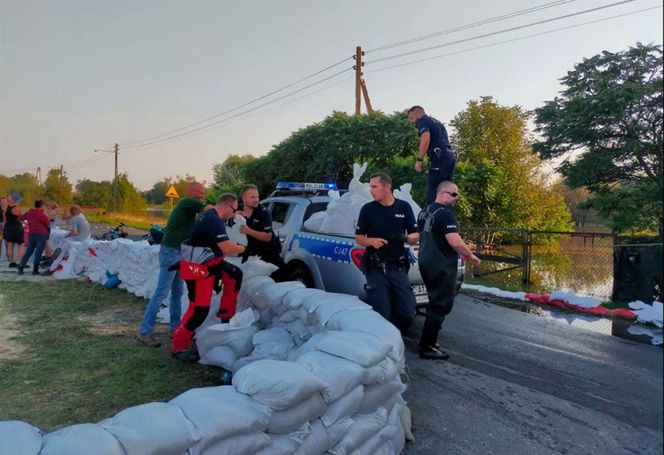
(12, 230)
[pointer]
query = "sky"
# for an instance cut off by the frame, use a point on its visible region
(81, 75)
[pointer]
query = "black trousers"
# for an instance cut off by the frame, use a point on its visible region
(389, 293)
(441, 287)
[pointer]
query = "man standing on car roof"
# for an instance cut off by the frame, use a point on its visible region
(435, 144)
(384, 225)
(439, 244)
(261, 240)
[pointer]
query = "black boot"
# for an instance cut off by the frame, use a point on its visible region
(35, 271)
(20, 269)
(433, 353)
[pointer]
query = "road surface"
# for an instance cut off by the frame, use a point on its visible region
(518, 383)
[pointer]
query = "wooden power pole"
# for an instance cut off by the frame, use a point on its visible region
(116, 151)
(360, 84)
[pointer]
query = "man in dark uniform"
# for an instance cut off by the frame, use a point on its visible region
(439, 244)
(202, 266)
(436, 145)
(261, 240)
(384, 225)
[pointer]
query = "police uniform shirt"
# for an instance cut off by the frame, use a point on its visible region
(389, 223)
(208, 231)
(441, 223)
(437, 139)
(261, 221)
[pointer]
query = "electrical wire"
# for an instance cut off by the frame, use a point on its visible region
(240, 106)
(506, 30)
(221, 121)
(512, 40)
(473, 24)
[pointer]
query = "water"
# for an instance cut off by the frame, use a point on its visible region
(574, 264)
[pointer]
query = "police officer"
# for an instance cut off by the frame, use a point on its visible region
(202, 266)
(436, 145)
(439, 244)
(261, 240)
(384, 225)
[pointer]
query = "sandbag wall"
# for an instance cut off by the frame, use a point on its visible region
(314, 373)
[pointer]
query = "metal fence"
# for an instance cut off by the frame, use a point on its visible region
(543, 261)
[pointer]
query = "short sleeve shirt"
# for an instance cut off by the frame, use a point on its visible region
(208, 231)
(437, 135)
(81, 226)
(389, 223)
(441, 222)
(180, 221)
(260, 220)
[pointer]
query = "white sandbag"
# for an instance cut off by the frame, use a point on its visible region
(274, 343)
(322, 438)
(19, 438)
(241, 362)
(309, 346)
(249, 286)
(382, 372)
(372, 446)
(219, 356)
(82, 439)
(234, 233)
(282, 444)
(403, 193)
(396, 418)
(333, 305)
(372, 323)
(236, 338)
(243, 318)
(222, 412)
(345, 406)
(277, 335)
(339, 375)
(379, 395)
(272, 296)
(361, 348)
(153, 429)
(364, 427)
(255, 267)
(294, 300)
(282, 422)
(314, 222)
(299, 331)
(280, 385)
(244, 444)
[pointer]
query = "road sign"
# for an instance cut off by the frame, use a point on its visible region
(172, 192)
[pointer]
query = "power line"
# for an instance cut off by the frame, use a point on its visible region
(127, 145)
(221, 121)
(513, 39)
(506, 30)
(473, 24)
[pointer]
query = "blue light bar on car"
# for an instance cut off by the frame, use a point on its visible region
(303, 186)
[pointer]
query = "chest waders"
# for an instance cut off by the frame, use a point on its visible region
(438, 272)
(203, 273)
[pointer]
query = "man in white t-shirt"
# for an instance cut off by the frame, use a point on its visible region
(79, 228)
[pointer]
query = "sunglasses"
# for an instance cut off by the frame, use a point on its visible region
(451, 193)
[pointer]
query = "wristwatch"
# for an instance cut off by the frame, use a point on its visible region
(419, 159)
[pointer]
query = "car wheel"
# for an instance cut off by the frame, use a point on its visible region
(301, 273)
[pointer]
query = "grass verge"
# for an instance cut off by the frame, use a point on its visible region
(113, 219)
(78, 360)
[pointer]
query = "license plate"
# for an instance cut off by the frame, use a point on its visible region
(419, 289)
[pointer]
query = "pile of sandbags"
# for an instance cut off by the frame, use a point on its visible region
(343, 211)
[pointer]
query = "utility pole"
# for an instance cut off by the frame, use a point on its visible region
(116, 150)
(114, 200)
(360, 84)
(38, 175)
(62, 171)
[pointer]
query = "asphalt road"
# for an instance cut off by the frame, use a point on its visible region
(517, 383)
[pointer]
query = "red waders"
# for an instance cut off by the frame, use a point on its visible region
(201, 280)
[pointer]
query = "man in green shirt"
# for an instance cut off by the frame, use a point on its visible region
(177, 230)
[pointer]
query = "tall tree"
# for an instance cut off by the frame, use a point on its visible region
(129, 198)
(607, 124)
(498, 173)
(93, 194)
(57, 188)
(27, 186)
(230, 175)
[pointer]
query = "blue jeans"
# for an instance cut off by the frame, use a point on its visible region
(36, 244)
(168, 280)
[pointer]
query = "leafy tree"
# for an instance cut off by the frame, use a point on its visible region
(326, 151)
(93, 194)
(57, 188)
(129, 198)
(157, 194)
(230, 175)
(607, 124)
(5, 184)
(499, 175)
(27, 186)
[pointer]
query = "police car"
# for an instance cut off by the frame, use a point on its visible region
(330, 262)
